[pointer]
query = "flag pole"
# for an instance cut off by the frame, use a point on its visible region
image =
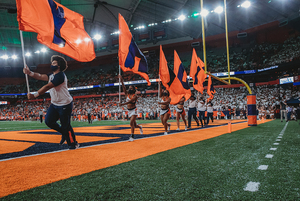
(24, 61)
(119, 84)
(158, 93)
(227, 46)
(203, 35)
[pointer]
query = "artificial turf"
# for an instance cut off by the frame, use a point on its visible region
(213, 169)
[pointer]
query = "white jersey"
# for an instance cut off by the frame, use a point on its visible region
(60, 95)
(201, 106)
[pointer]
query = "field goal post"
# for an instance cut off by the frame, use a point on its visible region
(251, 98)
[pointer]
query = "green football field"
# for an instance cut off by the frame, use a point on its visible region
(243, 165)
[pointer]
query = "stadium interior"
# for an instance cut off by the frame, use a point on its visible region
(263, 48)
(219, 160)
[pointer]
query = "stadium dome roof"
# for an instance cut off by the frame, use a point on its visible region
(101, 17)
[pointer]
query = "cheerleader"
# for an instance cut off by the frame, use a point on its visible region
(165, 109)
(131, 99)
(180, 112)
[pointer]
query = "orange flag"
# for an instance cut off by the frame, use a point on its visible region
(130, 56)
(181, 75)
(58, 28)
(210, 89)
(197, 72)
(170, 80)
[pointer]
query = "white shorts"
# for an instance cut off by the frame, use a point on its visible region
(132, 112)
(162, 112)
(178, 110)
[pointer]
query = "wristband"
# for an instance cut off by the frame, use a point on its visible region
(31, 74)
(36, 94)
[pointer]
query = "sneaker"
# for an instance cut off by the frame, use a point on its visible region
(165, 133)
(169, 127)
(185, 128)
(62, 141)
(141, 130)
(130, 139)
(178, 129)
(74, 146)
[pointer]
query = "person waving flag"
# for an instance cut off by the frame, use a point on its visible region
(58, 28)
(197, 72)
(130, 56)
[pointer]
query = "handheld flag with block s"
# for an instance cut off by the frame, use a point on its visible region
(170, 80)
(182, 76)
(130, 56)
(210, 89)
(58, 28)
(197, 72)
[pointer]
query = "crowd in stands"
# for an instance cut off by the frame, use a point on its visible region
(227, 103)
(246, 58)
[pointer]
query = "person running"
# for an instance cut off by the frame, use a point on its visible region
(61, 100)
(165, 109)
(131, 99)
(180, 112)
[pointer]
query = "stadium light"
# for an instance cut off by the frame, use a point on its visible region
(97, 37)
(4, 57)
(37, 52)
(28, 54)
(87, 39)
(218, 10)
(43, 50)
(181, 17)
(117, 32)
(204, 13)
(14, 57)
(61, 45)
(195, 14)
(246, 4)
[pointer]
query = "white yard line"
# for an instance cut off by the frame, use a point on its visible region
(263, 167)
(252, 186)
(269, 156)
